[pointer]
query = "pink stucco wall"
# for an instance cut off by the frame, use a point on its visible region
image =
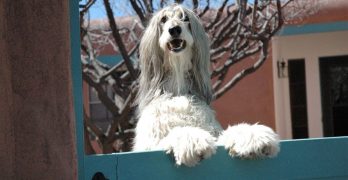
(251, 100)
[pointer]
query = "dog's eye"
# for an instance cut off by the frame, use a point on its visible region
(186, 19)
(164, 19)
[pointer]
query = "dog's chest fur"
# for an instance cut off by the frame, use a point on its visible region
(166, 112)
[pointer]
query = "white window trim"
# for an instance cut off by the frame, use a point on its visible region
(309, 47)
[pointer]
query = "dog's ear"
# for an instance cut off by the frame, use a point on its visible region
(149, 51)
(150, 60)
(201, 57)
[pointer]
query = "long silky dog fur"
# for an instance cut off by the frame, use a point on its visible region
(175, 94)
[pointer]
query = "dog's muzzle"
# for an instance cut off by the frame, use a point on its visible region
(176, 45)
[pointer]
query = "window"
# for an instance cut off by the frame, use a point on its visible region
(334, 92)
(98, 112)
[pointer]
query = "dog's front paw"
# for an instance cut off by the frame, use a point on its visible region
(250, 141)
(189, 145)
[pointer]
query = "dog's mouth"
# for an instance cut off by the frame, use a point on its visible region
(176, 45)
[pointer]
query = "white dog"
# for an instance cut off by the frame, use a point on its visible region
(175, 93)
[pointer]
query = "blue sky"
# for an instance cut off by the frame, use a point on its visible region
(123, 7)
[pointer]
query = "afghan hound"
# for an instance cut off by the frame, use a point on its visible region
(175, 94)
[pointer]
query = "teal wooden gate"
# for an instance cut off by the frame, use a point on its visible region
(301, 159)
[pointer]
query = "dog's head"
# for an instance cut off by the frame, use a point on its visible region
(175, 28)
(175, 32)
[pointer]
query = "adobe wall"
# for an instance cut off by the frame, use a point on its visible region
(251, 100)
(324, 11)
(37, 131)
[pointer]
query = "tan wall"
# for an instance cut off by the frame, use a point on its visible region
(37, 132)
(251, 100)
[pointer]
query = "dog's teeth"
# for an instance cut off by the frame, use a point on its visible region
(176, 45)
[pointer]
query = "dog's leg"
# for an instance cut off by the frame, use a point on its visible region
(189, 145)
(250, 141)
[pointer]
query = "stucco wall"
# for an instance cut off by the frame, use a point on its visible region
(37, 134)
(251, 100)
(322, 11)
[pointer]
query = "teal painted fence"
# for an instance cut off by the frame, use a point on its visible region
(300, 159)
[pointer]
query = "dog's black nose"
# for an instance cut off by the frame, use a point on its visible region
(175, 31)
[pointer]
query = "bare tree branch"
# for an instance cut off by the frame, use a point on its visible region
(149, 5)
(118, 39)
(244, 72)
(139, 12)
(86, 7)
(205, 9)
(218, 15)
(96, 131)
(237, 31)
